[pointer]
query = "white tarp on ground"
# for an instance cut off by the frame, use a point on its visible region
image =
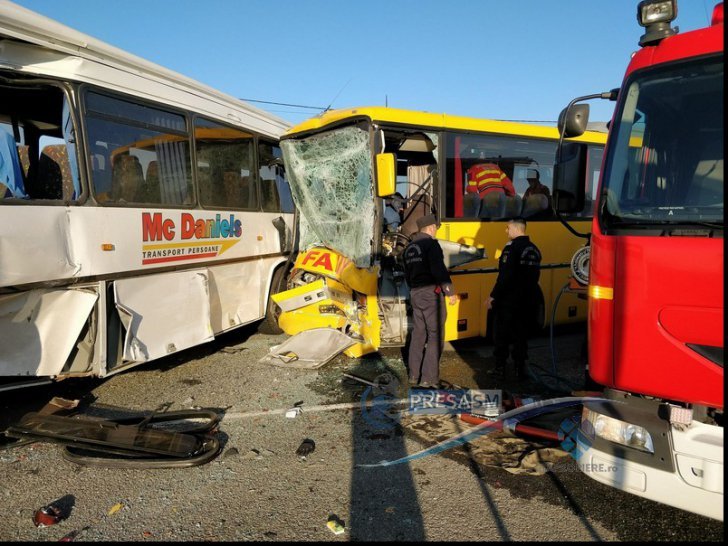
(309, 349)
(38, 329)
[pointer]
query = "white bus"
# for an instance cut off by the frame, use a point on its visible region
(141, 212)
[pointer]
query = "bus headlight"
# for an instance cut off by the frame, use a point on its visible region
(620, 432)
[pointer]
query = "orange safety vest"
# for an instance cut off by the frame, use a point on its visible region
(485, 178)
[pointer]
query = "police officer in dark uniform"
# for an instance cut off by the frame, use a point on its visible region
(429, 283)
(514, 297)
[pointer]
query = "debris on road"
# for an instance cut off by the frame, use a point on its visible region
(130, 442)
(232, 349)
(306, 448)
(335, 524)
(47, 515)
(114, 509)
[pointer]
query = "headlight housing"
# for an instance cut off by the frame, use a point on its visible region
(619, 432)
(656, 16)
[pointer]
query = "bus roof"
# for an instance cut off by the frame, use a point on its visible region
(435, 121)
(62, 52)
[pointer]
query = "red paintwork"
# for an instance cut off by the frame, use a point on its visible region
(668, 291)
(681, 46)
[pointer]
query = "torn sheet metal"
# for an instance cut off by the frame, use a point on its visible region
(302, 296)
(456, 254)
(310, 349)
(163, 314)
(39, 328)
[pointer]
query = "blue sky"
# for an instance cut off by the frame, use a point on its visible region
(505, 59)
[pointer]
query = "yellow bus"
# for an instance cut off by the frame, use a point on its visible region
(361, 177)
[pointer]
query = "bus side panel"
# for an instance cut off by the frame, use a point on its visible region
(163, 314)
(35, 245)
(463, 318)
(53, 243)
(235, 294)
(39, 329)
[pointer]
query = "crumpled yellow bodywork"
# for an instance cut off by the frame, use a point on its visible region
(345, 299)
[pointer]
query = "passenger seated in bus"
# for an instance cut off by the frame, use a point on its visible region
(11, 175)
(535, 187)
(126, 178)
(149, 191)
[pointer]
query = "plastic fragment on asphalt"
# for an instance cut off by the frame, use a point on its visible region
(47, 515)
(114, 509)
(335, 525)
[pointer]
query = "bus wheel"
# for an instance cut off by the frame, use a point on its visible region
(272, 311)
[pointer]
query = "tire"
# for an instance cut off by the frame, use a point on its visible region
(272, 311)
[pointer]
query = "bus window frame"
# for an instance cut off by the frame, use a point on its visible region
(270, 142)
(254, 138)
(83, 90)
(70, 92)
(445, 135)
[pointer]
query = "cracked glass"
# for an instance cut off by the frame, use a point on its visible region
(331, 184)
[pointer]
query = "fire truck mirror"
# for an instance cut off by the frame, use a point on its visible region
(572, 121)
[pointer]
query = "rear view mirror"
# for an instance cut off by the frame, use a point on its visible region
(569, 171)
(386, 175)
(572, 121)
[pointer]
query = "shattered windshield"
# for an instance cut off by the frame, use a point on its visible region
(331, 184)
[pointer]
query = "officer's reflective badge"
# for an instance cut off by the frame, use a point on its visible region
(498, 253)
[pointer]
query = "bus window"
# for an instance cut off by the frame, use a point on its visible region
(37, 144)
(140, 154)
(492, 177)
(275, 191)
(225, 166)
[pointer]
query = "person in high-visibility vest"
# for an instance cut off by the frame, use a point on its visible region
(490, 185)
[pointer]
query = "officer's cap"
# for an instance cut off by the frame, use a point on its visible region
(425, 221)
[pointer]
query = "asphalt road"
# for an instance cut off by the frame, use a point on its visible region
(259, 489)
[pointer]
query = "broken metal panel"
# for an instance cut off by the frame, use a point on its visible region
(235, 294)
(40, 328)
(455, 254)
(302, 295)
(331, 183)
(310, 349)
(163, 313)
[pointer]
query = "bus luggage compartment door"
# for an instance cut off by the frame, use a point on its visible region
(163, 314)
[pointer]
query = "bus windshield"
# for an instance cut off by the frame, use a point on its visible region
(331, 184)
(665, 164)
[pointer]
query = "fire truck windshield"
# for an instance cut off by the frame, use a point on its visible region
(665, 162)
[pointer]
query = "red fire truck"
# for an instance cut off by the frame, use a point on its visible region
(655, 271)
